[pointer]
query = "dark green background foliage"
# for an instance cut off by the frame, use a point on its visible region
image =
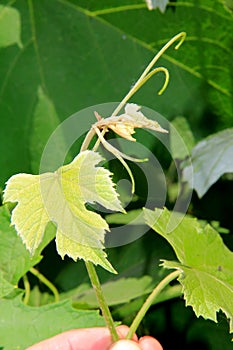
(67, 55)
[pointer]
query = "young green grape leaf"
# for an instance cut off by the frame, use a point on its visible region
(161, 4)
(205, 263)
(211, 158)
(33, 324)
(10, 26)
(60, 197)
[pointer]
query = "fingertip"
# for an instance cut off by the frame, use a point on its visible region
(123, 330)
(150, 343)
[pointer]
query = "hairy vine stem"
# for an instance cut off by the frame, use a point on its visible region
(101, 299)
(98, 289)
(146, 75)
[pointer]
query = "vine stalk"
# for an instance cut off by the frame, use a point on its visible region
(147, 74)
(101, 299)
(96, 283)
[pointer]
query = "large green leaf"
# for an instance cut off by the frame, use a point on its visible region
(204, 261)
(5, 286)
(86, 52)
(211, 158)
(22, 326)
(15, 259)
(60, 197)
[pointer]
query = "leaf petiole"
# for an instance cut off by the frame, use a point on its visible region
(27, 289)
(141, 313)
(46, 282)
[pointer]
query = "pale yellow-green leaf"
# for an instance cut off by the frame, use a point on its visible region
(60, 197)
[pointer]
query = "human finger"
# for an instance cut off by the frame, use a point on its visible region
(79, 339)
(149, 343)
(98, 338)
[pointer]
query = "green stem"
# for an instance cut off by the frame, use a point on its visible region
(101, 299)
(46, 282)
(146, 75)
(90, 267)
(27, 289)
(141, 313)
(87, 140)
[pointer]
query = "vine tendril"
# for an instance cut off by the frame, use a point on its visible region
(146, 75)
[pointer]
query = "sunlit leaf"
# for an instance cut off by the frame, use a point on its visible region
(211, 158)
(205, 264)
(60, 197)
(10, 26)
